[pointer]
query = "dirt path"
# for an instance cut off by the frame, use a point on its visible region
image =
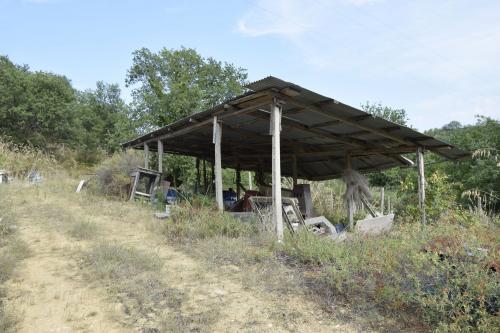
(53, 296)
(48, 293)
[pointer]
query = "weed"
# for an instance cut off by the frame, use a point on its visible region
(113, 174)
(12, 250)
(83, 230)
(189, 223)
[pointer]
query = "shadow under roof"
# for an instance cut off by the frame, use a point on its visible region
(319, 131)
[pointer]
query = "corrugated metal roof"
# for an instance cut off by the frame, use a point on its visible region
(319, 130)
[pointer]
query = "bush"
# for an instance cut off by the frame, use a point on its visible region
(439, 200)
(113, 174)
(446, 274)
(189, 223)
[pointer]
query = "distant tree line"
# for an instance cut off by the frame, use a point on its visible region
(43, 109)
(467, 179)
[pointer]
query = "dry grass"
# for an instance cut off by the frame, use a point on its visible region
(83, 230)
(21, 160)
(12, 250)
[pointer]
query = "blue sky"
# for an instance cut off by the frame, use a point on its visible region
(440, 60)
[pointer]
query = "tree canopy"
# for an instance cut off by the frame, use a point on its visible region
(43, 109)
(397, 116)
(172, 84)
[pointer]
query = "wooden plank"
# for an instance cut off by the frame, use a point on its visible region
(421, 184)
(218, 163)
(160, 156)
(276, 169)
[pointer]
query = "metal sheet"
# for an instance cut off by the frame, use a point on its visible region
(246, 135)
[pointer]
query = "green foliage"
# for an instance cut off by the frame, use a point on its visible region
(176, 83)
(105, 120)
(442, 275)
(190, 223)
(36, 107)
(482, 172)
(439, 200)
(171, 84)
(310, 249)
(43, 110)
(397, 116)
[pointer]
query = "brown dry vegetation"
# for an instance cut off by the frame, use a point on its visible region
(100, 265)
(96, 264)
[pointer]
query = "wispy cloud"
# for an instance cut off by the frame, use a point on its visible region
(452, 45)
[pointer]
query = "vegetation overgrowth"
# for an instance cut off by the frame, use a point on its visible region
(12, 250)
(444, 274)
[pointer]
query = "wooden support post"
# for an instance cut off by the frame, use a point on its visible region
(421, 184)
(250, 186)
(275, 126)
(238, 180)
(294, 169)
(350, 203)
(212, 178)
(382, 194)
(160, 156)
(389, 210)
(217, 137)
(197, 184)
(205, 178)
(146, 155)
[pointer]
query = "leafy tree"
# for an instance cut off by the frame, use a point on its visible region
(480, 173)
(397, 116)
(172, 84)
(105, 119)
(36, 107)
(43, 109)
(389, 177)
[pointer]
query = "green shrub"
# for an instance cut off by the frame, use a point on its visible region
(308, 249)
(189, 223)
(439, 200)
(443, 275)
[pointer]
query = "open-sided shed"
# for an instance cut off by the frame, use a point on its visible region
(319, 137)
